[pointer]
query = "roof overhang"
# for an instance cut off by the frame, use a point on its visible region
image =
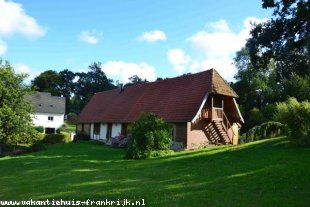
(200, 108)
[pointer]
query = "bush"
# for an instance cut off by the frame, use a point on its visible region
(38, 146)
(39, 129)
(63, 128)
(72, 117)
(263, 131)
(148, 133)
(297, 116)
(119, 141)
(81, 136)
(56, 138)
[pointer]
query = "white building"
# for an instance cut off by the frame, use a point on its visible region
(48, 111)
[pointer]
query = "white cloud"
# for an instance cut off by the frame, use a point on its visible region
(13, 19)
(120, 70)
(90, 37)
(220, 25)
(217, 46)
(25, 69)
(153, 36)
(179, 60)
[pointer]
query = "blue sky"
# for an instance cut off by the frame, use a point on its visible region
(162, 38)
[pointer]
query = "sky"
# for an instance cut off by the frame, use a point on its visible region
(160, 38)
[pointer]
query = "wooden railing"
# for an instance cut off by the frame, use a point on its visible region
(227, 126)
(218, 114)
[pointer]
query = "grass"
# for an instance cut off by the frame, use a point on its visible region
(263, 173)
(71, 126)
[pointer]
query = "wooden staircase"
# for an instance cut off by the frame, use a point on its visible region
(216, 132)
(222, 132)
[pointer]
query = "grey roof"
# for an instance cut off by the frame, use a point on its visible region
(44, 102)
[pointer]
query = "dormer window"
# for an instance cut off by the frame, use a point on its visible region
(51, 105)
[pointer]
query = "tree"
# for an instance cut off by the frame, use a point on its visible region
(135, 80)
(297, 116)
(66, 86)
(285, 38)
(258, 89)
(48, 81)
(15, 120)
(89, 83)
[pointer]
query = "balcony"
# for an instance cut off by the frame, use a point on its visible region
(211, 114)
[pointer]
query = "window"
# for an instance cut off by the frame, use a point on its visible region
(50, 118)
(97, 128)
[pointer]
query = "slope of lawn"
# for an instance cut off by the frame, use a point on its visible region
(263, 173)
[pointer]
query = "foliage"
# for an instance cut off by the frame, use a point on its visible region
(264, 131)
(188, 178)
(81, 136)
(119, 141)
(297, 116)
(56, 138)
(88, 84)
(148, 133)
(15, 120)
(135, 80)
(72, 117)
(256, 118)
(39, 129)
(296, 86)
(285, 38)
(66, 86)
(47, 81)
(37, 146)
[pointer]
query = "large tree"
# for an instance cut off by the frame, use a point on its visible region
(88, 84)
(48, 81)
(66, 86)
(15, 121)
(285, 38)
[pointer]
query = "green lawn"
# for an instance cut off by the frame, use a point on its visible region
(263, 173)
(71, 127)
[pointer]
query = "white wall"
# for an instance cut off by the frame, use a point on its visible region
(103, 131)
(92, 131)
(116, 129)
(41, 119)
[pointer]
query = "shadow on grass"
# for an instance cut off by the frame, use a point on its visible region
(264, 173)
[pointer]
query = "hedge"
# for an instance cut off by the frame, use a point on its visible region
(264, 131)
(56, 138)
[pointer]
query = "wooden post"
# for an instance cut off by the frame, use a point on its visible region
(212, 108)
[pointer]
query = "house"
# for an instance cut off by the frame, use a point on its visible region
(48, 111)
(201, 107)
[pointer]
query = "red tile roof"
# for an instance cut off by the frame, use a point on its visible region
(175, 100)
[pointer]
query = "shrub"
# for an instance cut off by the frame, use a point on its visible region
(72, 117)
(56, 138)
(63, 128)
(38, 146)
(297, 116)
(81, 136)
(148, 133)
(39, 129)
(119, 141)
(263, 131)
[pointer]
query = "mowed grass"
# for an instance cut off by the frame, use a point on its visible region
(263, 173)
(71, 127)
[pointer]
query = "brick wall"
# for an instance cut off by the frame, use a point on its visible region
(196, 137)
